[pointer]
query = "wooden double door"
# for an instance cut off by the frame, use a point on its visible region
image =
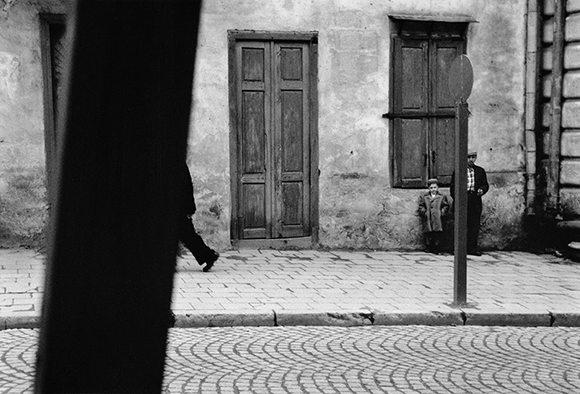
(273, 127)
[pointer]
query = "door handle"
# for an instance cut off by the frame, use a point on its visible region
(433, 156)
(425, 160)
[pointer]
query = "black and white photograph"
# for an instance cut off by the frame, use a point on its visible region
(289, 196)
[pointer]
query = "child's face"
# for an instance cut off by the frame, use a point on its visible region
(433, 187)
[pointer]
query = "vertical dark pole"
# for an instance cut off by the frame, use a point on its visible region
(113, 234)
(460, 197)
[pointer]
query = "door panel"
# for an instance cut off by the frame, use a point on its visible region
(254, 129)
(443, 156)
(292, 140)
(254, 210)
(292, 209)
(292, 130)
(292, 203)
(253, 133)
(444, 53)
(253, 64)
(411, 88)
(411, 142)
(442, 137)
(291, 64)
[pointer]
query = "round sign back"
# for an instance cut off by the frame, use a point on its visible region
(460, 78)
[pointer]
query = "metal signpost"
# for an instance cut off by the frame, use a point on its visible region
(460, 84)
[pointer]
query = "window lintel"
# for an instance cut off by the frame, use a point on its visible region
(451, 18)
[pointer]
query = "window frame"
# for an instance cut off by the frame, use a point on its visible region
(433, 31)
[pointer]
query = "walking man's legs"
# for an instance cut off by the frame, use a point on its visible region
(193, 242)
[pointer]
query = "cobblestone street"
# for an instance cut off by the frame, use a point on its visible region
(377, 359)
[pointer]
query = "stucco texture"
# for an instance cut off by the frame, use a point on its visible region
(23, 207)
(378, 218)
(502, 219)
(387, 218)
(358, 207)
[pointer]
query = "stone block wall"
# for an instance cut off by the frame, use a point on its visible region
(570, 128)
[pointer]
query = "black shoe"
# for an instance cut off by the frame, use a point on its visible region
(180, 251)
(211, 261)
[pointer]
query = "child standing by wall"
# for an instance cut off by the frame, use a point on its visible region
(432, 207)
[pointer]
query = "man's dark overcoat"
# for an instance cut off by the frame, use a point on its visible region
(474, 205)
(480, 183)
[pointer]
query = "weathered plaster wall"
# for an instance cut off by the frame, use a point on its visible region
(358, 206)
(22, 161)
(496, 49)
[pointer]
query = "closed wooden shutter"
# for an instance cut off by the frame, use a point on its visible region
(423, 110)
(410, 106)
(442, 138)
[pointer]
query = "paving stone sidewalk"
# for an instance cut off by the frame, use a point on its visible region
(340, 288)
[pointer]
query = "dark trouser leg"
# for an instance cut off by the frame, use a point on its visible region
(432, 240)
(193, 241)
(474, 209)
(435, 240)
(427, 238)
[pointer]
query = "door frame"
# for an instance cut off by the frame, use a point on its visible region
(50, 132)
(311, 38)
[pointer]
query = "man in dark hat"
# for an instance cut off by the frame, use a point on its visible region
(477, 186)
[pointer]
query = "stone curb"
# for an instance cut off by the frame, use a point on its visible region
(340, 319)
(566, 319)
(419, 319)
(14, 322)
(344, 319)
(508, 319)
(224, 320)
